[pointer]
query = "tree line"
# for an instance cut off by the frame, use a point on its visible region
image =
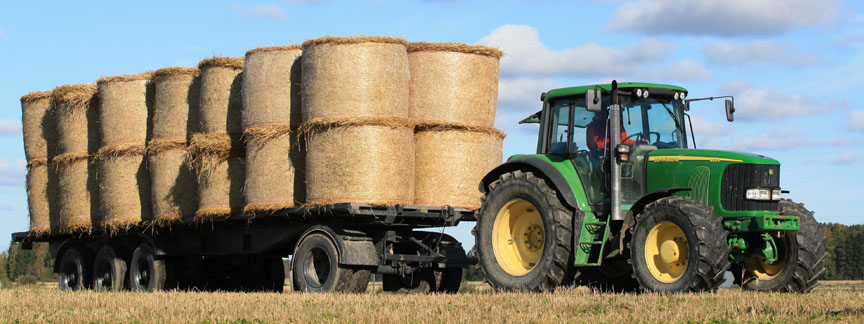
(844, 244)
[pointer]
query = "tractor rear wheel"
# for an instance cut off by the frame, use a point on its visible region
(524, 234)
(801, 262)
(679, 245)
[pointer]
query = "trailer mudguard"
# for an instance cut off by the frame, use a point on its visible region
(352, 251)
(540, 168)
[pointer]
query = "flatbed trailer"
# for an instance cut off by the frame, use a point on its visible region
(331, 248)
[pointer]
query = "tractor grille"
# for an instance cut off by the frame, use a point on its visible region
(737, 178)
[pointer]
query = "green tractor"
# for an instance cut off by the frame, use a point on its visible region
(618, 199)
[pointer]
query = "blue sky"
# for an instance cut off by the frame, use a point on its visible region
(794, 66)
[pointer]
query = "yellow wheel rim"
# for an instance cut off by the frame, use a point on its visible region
(763, 270)
(518, 237)
(666, 252)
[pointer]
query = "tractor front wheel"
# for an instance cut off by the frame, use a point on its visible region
(679, 245)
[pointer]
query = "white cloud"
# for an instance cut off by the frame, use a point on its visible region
(525, 55)
(721, 17)
(757, 51)
(518, 98)
(784, 139)
(12, 173)
(755, 104)
(263, 11)
(856, 120)
(9, 127)
(848, 157)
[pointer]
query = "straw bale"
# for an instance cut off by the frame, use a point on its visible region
(271, 87)
(38, 197)
(161, 145)
(124, 109)
(285, 48)
(207, 150)
(220, 189)
(173, 185)
(77, 194)
(39, 125)
(360, 163)
(454, 83)
(354, 76)
(124, 187)
(220, 107)
(272, 161)
(450, 164)
(119, 150)
(76, 108)
(144, 76)
(175, 104)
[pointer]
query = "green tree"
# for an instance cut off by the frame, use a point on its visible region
(4, 276)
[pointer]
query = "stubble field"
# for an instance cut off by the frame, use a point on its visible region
(831, 302)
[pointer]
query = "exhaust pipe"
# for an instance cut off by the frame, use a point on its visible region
(614, 140)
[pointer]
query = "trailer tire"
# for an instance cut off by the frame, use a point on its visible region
(804, 258)
(146, 271)
(315, 267)
(680, 227)
(109, 270)
(448, 280)
(507, 197)
(75, 269)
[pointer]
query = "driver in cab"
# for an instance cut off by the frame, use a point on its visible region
(598, 134)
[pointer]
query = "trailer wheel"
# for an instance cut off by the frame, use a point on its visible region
(524, 234)
(448, 280)
(315, 267)
(802, 258)
(75, 269)
(109, 270)
(420, 281)
(146, 271)
(679, 245)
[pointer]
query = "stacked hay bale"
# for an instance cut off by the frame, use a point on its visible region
(76, 108)
(217, 150)
(40, 136)
(454, 91)
(271, 114)
(124, 184)
(173, 185)
(356, 121)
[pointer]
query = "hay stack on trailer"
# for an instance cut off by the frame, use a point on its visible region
(454, 92)
(124, 183)
(173, 185)
(454, 83)
(359, 136)
(271, 114)
(76, 107)
(217, 150)
(40, 135)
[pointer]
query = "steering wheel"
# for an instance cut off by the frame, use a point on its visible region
(653, 133)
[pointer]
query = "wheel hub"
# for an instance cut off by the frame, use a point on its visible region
(518, 237)
(666, 252)
(669, 251)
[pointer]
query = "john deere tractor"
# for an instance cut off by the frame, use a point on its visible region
(618, 198)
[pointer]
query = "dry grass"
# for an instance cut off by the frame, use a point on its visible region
(38, 304)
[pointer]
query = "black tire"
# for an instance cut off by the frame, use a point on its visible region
(708, 256)
(109, 270)
(551, 269)
(805, 257)
(448, 280)
(612, 276)
(315, 268)
(147, 272)
(420, 281)
(75, 269)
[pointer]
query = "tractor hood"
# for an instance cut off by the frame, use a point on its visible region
(681, 155)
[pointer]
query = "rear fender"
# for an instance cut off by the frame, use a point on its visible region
(639, 206)
(351, 252)
(541, 169)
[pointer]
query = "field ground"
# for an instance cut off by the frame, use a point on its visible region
(841, 301)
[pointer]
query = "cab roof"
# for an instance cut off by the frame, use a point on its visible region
(608, 87)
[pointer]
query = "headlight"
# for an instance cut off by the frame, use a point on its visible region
(638, 93)
(645, 93)
(759, 194)
(776, 194)
(676, 96)
(683, 95)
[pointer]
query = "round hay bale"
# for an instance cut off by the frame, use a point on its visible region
(220, 109)
(123, 109)
(124, 187)
(38, 196)
(271, 87)
(354, 77)
(217, 160)
(76, 108)
(454, 83)
(451, 161)
(272, 165)
(39, 125)
(77, 194)
(175, 102)
(173, 185)
(360, 160)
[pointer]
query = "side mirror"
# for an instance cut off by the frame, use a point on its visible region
(592, 100)
(730, 111)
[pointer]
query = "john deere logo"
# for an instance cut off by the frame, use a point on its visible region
(770, 171)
